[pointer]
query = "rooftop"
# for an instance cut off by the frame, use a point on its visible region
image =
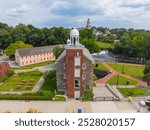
(35, 50)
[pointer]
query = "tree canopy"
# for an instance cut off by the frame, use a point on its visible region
(10, 50)
(57, 51)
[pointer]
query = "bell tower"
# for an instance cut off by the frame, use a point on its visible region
(74, 37)
(88, 25)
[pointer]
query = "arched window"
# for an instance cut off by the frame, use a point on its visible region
(74, 41)
(77, 39)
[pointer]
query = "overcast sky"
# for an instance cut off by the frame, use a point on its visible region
(67, 13)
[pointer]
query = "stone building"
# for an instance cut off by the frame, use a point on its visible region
(29, 56)
(88, 24)
(74, 68)
(4, 68)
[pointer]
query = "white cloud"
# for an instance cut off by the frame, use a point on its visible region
(111, 13)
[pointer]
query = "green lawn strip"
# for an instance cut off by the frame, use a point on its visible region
(100, 67)
(36, 65)
(104, 45)
(133, 91)
(13, 81)
(121, 81)
(135, 71)
(59, 98)
(50, 82)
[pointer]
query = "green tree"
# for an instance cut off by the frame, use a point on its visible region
(57, 51)
(10, 50)
(147, 67)
(147, 78)
(91, 45)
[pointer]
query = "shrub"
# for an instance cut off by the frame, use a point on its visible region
(59, 98)
(40, 95)
(87, 96)
(3, 78)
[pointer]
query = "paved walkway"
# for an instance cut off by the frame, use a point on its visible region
(113, 73)
(66, 107)
(38, 85)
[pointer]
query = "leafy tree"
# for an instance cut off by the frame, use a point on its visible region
(10, 50)
(147, 78)
(57, 51)
(91, 45)
(147, 67)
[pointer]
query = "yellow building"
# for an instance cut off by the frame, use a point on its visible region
(29, 56)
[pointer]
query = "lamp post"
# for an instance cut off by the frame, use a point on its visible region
(117, 79)
(123, 68)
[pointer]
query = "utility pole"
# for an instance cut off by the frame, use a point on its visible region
(117, 79)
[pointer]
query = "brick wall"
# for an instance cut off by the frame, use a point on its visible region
(4, 68)
(70, 54)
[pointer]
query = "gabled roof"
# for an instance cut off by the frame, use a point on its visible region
(86, 52)
(35, 50)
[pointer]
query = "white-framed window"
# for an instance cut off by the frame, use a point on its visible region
(77, 61)
(83, 76)
(84, 66)
(87, 88)
(76, 83)
(64, 76)
(64, 66)
(76, 73)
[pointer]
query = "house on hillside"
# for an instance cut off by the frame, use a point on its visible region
(74, 68)
(1, 52)
(29, 56)
(4, 68)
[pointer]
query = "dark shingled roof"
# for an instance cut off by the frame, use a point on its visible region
(35, 50)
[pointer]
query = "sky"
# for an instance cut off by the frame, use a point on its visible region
(70, 13)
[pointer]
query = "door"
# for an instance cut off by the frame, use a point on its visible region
(77, 94)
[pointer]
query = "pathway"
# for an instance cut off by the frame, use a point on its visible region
(38, 85)
(113, 73)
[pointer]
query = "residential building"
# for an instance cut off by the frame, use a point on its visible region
(74, 68)
(4, 68)
(29, 56)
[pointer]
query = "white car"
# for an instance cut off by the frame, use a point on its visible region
(142, 103)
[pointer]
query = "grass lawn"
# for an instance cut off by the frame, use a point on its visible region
(135, 71)
(121, 81)
(132, 91)
(104, 45)
(50, 82)
(36, 65)
(100, 67)
(12, 82)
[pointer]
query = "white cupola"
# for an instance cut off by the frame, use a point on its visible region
(68, 42)
(74, 37)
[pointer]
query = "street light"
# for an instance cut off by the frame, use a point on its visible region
(123, 68)
(117, 79)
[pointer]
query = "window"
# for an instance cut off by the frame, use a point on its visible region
(26, 62)
(83, 66)
(64, 66)
(83, 76)
(77, 61)
(64, 76)
(77, 83)
(87, 88)
(77, 73)
(22, 63)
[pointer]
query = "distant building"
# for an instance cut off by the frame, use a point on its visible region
(74, 68)
(29, 56)
(88, 24)
(1, 52)
(4, 68)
